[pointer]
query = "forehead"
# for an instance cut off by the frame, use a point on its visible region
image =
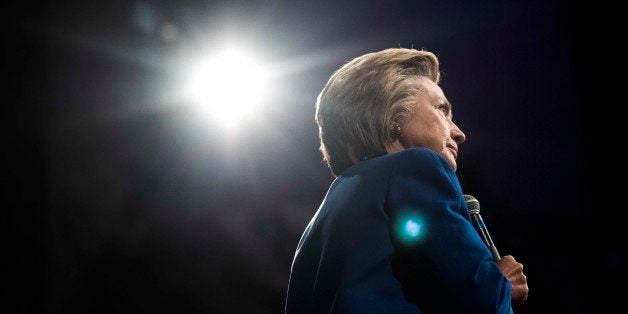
(429, 89)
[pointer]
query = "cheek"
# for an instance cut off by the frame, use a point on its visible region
(443, 130)
(429, 129)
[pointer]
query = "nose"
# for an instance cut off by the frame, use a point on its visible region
(457, 134)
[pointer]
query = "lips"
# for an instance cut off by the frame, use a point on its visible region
(454, 151)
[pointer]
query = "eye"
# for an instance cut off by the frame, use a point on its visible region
(443, 107)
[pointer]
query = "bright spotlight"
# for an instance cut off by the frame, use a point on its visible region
(228, 86)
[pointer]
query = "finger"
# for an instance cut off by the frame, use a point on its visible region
(522, 280)
(515, 269)
(521, 292)
(508, 258)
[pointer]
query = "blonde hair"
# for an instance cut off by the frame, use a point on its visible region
(363, 102)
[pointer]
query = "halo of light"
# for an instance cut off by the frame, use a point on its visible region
(228, 86)
(412, 228)
(409, 229)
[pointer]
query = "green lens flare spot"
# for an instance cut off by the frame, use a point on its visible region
(412, 228)
(409, 229)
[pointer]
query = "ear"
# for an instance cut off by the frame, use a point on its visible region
(396, 145)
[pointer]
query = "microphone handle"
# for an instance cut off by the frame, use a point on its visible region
(486, 237)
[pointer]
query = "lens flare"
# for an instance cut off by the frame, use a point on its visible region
(229, 86)
(409, 229)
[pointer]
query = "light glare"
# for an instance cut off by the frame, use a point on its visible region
(412, 228)
(228, 86)
(409, 228)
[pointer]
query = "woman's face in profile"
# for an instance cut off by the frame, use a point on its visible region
(430, 124)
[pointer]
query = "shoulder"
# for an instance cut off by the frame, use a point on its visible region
(413, 157)
(417, 154)
(422, 160)
(419, 163)
(423, 165)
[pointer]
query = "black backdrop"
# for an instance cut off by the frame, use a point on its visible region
(123, 200)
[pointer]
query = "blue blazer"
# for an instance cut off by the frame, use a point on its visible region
(393, 235)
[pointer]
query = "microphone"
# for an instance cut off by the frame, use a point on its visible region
(473, 205)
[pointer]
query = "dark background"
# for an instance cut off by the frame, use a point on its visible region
(121, 199)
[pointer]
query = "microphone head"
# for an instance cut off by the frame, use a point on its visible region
(473, 205)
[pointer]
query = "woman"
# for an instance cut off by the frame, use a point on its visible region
(393, 234)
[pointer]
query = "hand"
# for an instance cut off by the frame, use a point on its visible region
(513, 271)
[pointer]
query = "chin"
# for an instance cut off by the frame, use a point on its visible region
(452, 164)
(454, 167)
